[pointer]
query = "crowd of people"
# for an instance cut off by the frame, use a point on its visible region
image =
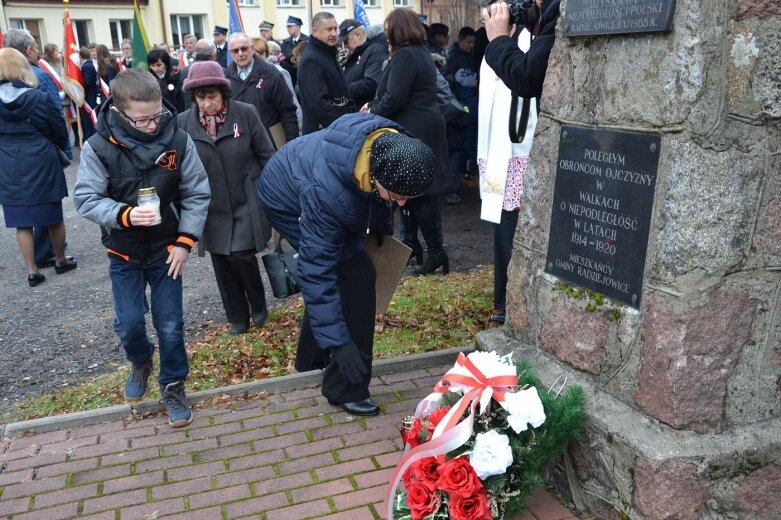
(322, 138)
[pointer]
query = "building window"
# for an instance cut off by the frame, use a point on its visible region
(371, 3)
(34, 26)
(120, 30)
(183, 24)
(247, 2)
(82, 32)
(330, 3)
(289, 3)
(400, 3)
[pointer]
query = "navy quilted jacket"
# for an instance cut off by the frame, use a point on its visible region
(311, 197)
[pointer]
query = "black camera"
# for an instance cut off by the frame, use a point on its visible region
(523, 13)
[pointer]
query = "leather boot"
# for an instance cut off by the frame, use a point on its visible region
(434, 262)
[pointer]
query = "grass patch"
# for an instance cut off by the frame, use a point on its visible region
(426, 313)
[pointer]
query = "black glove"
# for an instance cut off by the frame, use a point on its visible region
(348, 359)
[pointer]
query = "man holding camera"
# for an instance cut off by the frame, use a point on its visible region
(521, 36)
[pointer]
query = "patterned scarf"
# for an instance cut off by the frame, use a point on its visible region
(212, 124)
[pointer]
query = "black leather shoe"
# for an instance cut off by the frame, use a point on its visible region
(239, 328)
(49, 262)
(365, 408)
(64, 267)
(35, 279)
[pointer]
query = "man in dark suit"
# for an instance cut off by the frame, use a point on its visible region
(219, 34)
(288, 44)
(321, 82)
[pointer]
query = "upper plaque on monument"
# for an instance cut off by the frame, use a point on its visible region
(592, 17)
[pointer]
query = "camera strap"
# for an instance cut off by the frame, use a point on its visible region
(518, 132)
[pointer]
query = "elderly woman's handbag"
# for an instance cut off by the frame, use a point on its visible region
(282, 270)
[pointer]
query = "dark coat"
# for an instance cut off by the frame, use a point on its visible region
(524, 72)
(233, 165)
(364, 68)
(407, 95)
(171, 87)
(461, 73)
(287, 44)
(30, 130)
(322, 87)
(266, 90)
(222, 55)
(92, 82)
(309, 191)
(287, 47)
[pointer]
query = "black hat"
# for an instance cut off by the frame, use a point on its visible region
(266, 25)
(346, 27)
(220, 30)
(292, 20)
(403, 165)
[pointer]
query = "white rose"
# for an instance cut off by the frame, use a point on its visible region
(491, 455)
(524, 408)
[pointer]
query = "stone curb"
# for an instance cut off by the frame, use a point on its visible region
(271, 385)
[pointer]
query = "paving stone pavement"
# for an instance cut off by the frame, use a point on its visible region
(287, 456)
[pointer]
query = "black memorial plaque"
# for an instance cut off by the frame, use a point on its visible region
(602, 203)
(593, 17)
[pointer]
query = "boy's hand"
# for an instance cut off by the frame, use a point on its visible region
(142, 216)
(176, 261)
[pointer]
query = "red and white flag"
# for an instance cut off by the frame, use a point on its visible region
(72, 63)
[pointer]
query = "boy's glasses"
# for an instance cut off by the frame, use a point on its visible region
(144, 122)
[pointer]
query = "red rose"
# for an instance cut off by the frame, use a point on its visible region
(423, 471)
(457, 477)
(437, 415)
(476, 507)
(413, 435)
(421, 501)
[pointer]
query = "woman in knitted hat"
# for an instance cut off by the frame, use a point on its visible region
(325, 192)
(234, 147)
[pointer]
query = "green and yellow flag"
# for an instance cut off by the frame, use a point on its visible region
(140, 41)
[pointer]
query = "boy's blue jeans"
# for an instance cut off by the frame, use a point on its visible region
(128, 283)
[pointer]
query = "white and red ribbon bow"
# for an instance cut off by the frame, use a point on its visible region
(450, 434)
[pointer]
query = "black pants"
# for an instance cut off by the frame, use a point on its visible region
(241, 287)
(355, 279)
(42, 243)
(423, 213)
(503, 250)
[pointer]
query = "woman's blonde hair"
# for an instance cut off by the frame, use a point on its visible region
(15, 67)
(261, 46)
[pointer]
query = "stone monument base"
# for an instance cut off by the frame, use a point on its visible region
(629, 465)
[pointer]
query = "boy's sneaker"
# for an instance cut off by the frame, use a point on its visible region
(136, 384)
(175, 400)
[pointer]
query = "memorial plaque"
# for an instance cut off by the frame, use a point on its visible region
(593, 17)
(602, 204)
